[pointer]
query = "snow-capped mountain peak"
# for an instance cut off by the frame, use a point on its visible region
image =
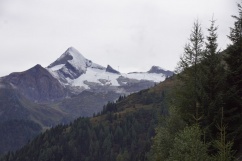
(78, 73)
(71, 64)
(74, 58)
(158, 70)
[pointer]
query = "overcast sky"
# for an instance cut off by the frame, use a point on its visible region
(131, 35)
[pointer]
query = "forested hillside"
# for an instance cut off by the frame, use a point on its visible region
(121, 131)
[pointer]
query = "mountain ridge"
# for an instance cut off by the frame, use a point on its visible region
(36, 84)
(78, 73)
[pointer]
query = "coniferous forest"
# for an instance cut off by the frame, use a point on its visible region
(121, 131)
(193, 115)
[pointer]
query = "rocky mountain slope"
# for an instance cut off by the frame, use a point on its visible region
(36, 84)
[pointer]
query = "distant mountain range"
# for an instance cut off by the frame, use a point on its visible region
(70, 87)
(77, 73)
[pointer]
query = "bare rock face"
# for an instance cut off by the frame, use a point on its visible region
(158, 70)
(111, 70)
(37, 84)
(68, 62)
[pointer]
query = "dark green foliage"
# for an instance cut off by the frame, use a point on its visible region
(186, 97)
(110, 107)
(233, 58)
(129, 138)
(121, 98)
(188, 146)
(163, 141)
(121, 132)
(223, 146)
(235, 32)
(193, 49)
(211, 83)
(204, 86)
(206, 92)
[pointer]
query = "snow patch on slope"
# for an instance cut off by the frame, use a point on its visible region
(103, 78)
(145, 76)
(95, 75)
(72, 69)
(78, 60)
(57, 67)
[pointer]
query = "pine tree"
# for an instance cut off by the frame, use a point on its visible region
(211, 81)
(187, 89)
(188, 146)
(234, 54)
(166, 131)
(224, 147)
(236, 32)
(193, 49)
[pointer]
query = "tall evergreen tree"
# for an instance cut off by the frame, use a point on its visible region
(211, 80)
(186, 98)
(193, 49)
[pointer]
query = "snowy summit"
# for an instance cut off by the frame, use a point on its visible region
(74, 70)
